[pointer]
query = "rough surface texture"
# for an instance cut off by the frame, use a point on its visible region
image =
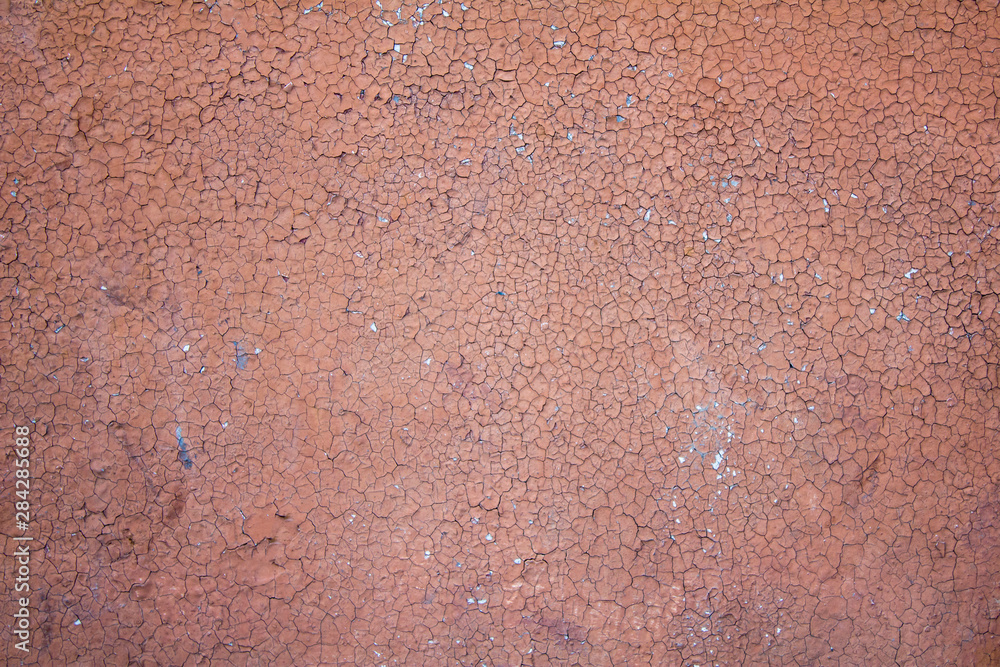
(507, 334)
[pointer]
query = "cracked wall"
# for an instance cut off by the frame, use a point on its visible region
(504, 333)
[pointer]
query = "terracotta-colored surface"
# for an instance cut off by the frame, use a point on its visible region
(503, 334)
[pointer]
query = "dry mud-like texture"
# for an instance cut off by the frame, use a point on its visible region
(504, 334)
